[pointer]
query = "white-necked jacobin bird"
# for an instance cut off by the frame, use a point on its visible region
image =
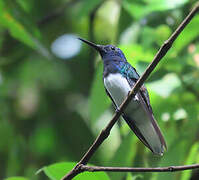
(119, 78)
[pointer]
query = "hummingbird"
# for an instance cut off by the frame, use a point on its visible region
(119, 77)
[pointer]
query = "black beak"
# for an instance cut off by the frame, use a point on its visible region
(99, 48)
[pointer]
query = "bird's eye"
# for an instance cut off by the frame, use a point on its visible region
(113, 48)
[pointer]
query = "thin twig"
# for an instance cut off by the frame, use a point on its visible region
(106, 131)
(138, 169)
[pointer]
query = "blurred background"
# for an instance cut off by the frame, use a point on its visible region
(52, 100)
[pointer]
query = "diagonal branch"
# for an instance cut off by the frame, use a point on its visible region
(138, 169)
(106, 131)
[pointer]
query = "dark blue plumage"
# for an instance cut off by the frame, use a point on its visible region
(119, 78)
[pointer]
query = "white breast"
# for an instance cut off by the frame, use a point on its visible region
(117, 86)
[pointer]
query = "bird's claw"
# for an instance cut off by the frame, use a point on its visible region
(117, 110)
(129, 93)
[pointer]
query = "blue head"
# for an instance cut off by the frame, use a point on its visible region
(107, 52)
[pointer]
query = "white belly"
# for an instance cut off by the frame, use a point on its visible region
(117, 86)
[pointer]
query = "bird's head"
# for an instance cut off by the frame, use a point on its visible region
(107, 52)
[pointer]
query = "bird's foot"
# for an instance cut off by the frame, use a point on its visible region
(129, 93)
(134, 95)
(117, 109)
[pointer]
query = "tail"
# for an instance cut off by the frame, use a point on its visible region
(148, 134)
(141, 120)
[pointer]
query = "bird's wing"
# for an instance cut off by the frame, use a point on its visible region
(143, 99)
(115, 106)
(129, 121)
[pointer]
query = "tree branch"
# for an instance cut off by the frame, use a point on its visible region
(141, 169)
(106, 131)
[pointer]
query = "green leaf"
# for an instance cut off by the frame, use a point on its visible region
(30, 73)
(166, 85)
(86, 7)
(161, 5)
(99, 101)
(43, 141)
(190, 160)
(134, 177)
(58, 170)
(16, 29)
(173, 156)
(26, 5)
(19, 31)
(139, 9)
(162, 33)
(135, 9)
(104, 20)
(188, 35)
(135, 53)
(16, 178)
(124, 155)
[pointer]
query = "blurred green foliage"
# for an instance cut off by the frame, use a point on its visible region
(51, 108)
(58, 170)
